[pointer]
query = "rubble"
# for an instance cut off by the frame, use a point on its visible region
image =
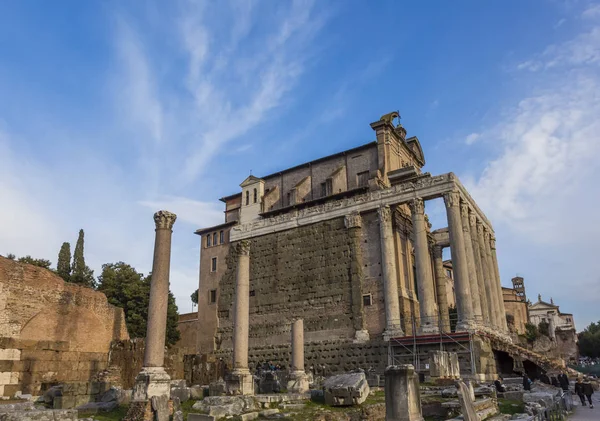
(346, 389)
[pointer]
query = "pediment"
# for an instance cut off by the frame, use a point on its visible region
(250, 180)
(415, 146)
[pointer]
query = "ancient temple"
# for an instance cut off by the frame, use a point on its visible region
(344, 243)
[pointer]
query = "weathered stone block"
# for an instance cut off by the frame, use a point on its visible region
(346, 389)
(201, 417)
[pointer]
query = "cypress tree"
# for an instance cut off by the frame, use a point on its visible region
(81, 273)
(63, 266)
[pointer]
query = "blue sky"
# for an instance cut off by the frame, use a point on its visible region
(112, 110)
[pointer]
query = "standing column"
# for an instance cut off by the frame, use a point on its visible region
(440, 282)
(485, 264)
(429, 320)
(485, 306)
(459, 261)
(153, 379)
(353, 223)
(298, 382)
(240, 381)
(501, 309)
(473, 285)
(390, 283)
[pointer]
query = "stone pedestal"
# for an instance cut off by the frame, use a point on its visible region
(402, 396)
(151, 381)
(239, 382)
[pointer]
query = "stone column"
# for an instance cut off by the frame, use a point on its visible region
(473, 285)
(240, 380)
(353, 223)
(390, 282)
(429, 320)
(298, 382)
(485, 307)
(153, 380)
(485, 264)
(464, 305)
(501, 309)
(402, 395)
(440, 282)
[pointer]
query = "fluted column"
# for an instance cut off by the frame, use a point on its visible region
(459, 261)
(488, 279)
(241, 322)
(485, 306)
(390, 283)
(502, 310)
(429, 320)
(440, 282)
(473, 285)
(154, 353)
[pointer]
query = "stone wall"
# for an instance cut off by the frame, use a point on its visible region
(188, 328)
(305, 272)
(51, 331)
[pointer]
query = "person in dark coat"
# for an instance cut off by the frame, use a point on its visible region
(579, 390)
(544, 378)
(554, 381)
(526, 382)
(498, 384)
(588, 390)
(564, 381)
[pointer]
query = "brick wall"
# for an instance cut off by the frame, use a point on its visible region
(51, 331)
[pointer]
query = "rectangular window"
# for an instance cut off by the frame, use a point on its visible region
(212, 296)
(323, 189)
(208, 240)
(362, 179)
(214, 238)
(327, 187)
(449, 273)
(213, 264)
(367, 300)
(221, 237)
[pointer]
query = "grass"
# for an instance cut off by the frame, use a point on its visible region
(510, 406)
(116, 415)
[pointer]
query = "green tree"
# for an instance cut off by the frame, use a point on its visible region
(11, 256)
(43, 263)
(589, 341)
(80, 273)
(544, 328)
(194, 297)
(63, 266)
(127, 288)
(531, 332)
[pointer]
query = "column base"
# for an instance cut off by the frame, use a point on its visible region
(151, 381)
(298, 382)
(465, 325)
(361, 336)
(393, 332)
(239, 382)
(429, 329)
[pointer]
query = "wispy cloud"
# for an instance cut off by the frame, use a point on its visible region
(472, 138)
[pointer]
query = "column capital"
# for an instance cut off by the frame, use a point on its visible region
(164, 219)
(452, 199)
(353, 220)
(472, 219)
(417, 206)
(492, 241)
(385, 214)
(437, 251)
(479, 227)
(242, 248)
(486, 234)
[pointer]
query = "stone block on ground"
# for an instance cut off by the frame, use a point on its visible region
(268, 412)
(183, 393)
(222, 406)
(466, 403)
(201, 417)
(346, 389)
(249, 416)
(545, 399)
(269, 383)
(96, 407)
(160, 406)
(197, 392)
(41, 415)
(217, 388)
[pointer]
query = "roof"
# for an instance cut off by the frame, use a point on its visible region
(231, 196)
(203, 231)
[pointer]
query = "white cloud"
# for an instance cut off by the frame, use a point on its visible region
(472, 138)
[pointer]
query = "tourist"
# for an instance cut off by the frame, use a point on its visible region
(588, 390)
(499, 386)
(579, 390)
(526, 382)
(564, 381)
(544, 378)
(554, 381)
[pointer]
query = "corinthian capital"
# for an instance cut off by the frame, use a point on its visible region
(385, 214)
(472, 219)
(452, 199)
(353, 220)
(243, 247)
(479, 227)
(437, 251)
(492, 241)
(417, 206)
(164, 219)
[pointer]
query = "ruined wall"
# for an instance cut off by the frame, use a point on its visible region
(516, 307)
(188, 329)
(304, 272)
(51, 331)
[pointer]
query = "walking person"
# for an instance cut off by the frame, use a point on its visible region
(564, 381)
(526, 382)
(579, 391)
(588, 390)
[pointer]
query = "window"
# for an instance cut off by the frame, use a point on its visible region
(326, 187)
(214, 239)
(323, 189)
(449, 273)
(367, 300)
(255, 195)
(289, 199)
(212, 296)
(208, 240)
(247, 197)
(362, 179)
(213, 264)
(221, 237)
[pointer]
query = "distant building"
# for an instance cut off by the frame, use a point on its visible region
(515, 303)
